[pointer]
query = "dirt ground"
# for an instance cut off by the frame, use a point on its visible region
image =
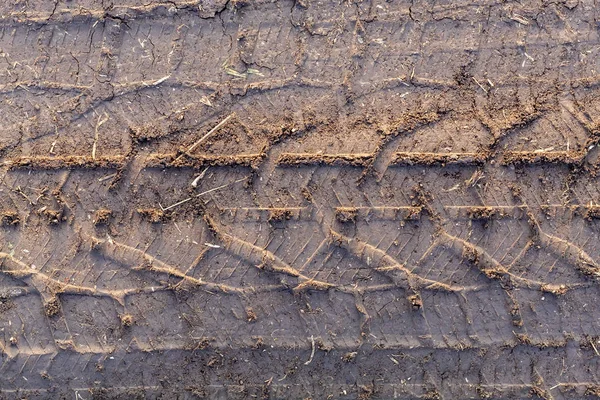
(299, 199)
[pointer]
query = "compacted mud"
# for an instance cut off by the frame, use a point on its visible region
(299, 199)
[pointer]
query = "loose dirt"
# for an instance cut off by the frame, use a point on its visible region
(299, 199)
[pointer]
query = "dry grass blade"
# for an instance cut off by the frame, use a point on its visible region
(203, 138)
(204, 193)
(98, 125)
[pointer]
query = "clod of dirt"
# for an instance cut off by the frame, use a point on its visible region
(555, 289)
(52, 307)
(414, 214)
(516, 191)
(102, 217)
(250, 314)
(9, 218)
(472, 255)
(592, 391)
(306, 194)
(258, 342)
(592, 212)
(53, 217)
(5, 304)
(366, 392)
(278, 215)
(349, 357)
(482, 393)
(587, 342)
(203, 343)
(422, 199)
(127, 320)
(346, 214)
(432, 394)
(153, 215)
(483, 213)
(416, 301)
(516, 316)
(549, 212)
(523, 338)
(321, 345)
(539, 392)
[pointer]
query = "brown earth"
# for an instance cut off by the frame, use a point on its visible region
(299, 199)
